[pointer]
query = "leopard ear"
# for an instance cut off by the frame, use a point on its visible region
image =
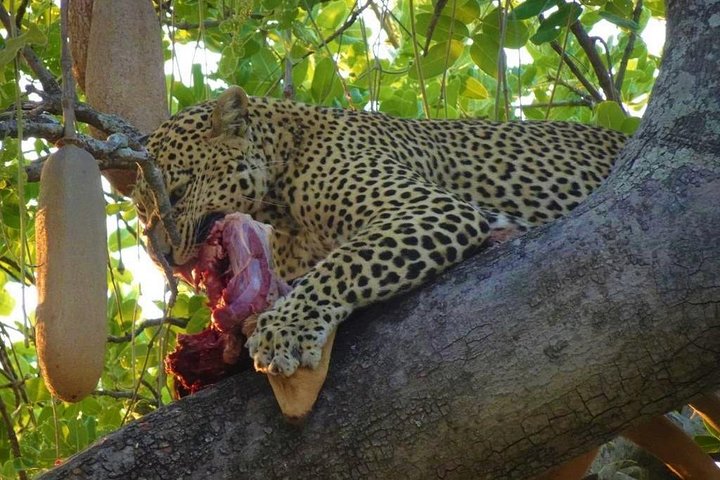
(230, 116)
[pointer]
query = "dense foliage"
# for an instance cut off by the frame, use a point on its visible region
(440, 59)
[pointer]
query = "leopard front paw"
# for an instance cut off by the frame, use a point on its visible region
(279, 347)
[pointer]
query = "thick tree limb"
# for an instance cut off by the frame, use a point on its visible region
(524, 356)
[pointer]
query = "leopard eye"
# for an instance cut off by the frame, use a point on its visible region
(177, 193)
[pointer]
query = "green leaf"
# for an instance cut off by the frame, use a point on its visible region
(620, 21)
(126, 240)
(332, 14)
(484, 52)
(630, 124)
(551, 27)
(199, 320)
(198, 82)
(656, 7)
(31, 36)
(708, 443)
(532, 8)
(516, 31)
(621, 8)
(323, 79)
(439, 58)
(467, 12)
(474, 89)
(7, 303)
(442, 27)
(609, 115)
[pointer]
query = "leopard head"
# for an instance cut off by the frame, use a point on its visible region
(211, 166)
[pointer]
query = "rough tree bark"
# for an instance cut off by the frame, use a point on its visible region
(522, 357)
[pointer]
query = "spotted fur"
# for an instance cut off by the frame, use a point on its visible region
(364, 206)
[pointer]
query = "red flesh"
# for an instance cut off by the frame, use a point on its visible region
(234, 267)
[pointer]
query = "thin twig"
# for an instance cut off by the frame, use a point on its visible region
(555, 82)
(566, 103)
(324, 45)
(205, 24)
(439, 6)
(20, 13)
(443, 81)
(14, 444)
(577, 72)
(601, 72)
(580, 93)
(418, 67)
(501, 91)
(68, 82)
(151, 322)
(385, 24)
(288, 85)
(120, 394)
(341, 29)
(620, 77)
(156, 395)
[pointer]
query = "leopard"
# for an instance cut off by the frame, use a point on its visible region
(364, 206)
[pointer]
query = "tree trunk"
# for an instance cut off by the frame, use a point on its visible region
(522, 357)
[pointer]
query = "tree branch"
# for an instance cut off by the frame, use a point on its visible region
(341, 29)
(601, 72)
(151, 322)
(106, 122)
(10, 431)
(576, 71)
(564, 103)
(108, 154)
(620, 77)
(437, 12)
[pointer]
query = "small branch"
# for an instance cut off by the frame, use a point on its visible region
(44, 127)
(118, 394)
(566, 35)
(156, 395)
(207, 23)
(576, 71)
(583, 95)
(601, 72)
(567, 103)
(347, 24)
(196, 26)
(68, 82)
(620, 77)
(418, 67)
(108, 123)
(324, 44)
(6, 264)
(386, 25)
(14, 444)
(151, 322)
(108, 155)
(20, 13)
(439, 6)
(288, 86)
